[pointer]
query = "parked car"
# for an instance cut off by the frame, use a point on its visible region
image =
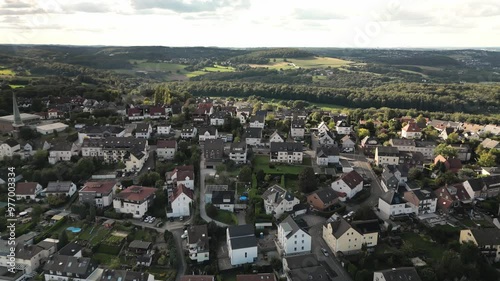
(181, 218)
(152, 219)
(184, 235)
(325, 252)
(160, 224)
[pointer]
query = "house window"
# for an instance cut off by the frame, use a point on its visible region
(246, 254)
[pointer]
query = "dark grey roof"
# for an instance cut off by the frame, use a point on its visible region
(223, 197)
(102, 129)
(139, 244)
(278, 194)
(214, 149)
(238, 146)
(11, 142)
(289, 224)
(339, 227)
(243, 242)
(387, 151)
(26, 252)
(321, 272)
(197, 233)
(70, 249)
(142, 128)
(402, 142)
(241, 230)
(392, 198)
(62, 146)
(488, 182)
(58, 186)
(260, 118)
(66, 264)
(424, 194)
(254, 133)
(289, 147)
(325, 151)
(401, 274)
(298, 123)
(210, 129)
(486, 236)
(366, 226)
(187, 130)
(123, 275)
(327, 194)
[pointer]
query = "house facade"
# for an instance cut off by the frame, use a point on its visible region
(238, 152)
(349, 184)
(411, 131)
(286, 152)
(28, 190)
(392, 204)
(98, 193)
(386, 155)
(198, 243)
(277, 201)
(326, 155)
(297, 128)
(340, 236)
(181, 175)
(180, 202)
(166, 149)
(253, 136)
(242, 244)
(60, 188)
(422, 201)
(486, 239)
(134, 200)
(291, 239)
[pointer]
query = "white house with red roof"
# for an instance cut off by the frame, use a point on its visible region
(166, 149)
(54, 114)
(349, 184)
(411, 131)
(180, 202)
(134, 113)
(98, 193)
(134, 200)
(181, 175)
(28, 190)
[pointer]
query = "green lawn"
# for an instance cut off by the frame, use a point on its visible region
(143, 235)
(17, 86)
(103, 259)
(423, 244)
(226, 217)
(262, 162)
(219, 68)
(97, 235)
(162, 274)
(311, 62)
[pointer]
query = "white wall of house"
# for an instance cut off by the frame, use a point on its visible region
(242, 256)
(136, 209)
(217, 121)
(6, 150)
(256, 124)
(276, 138)
(207, 136)
(300, 242)
(163, 129)
(239, 158)
(386, 160)
(341, 186)
(180, 206)
(166, 153)
(284, 157)
(343, 130)
(410, 135)
(388, 210)
(56, 156)
(252, 141)
(297, 132)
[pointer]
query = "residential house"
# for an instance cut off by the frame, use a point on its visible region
(98, 193)
(451, 164)
(9, 148)
(51, 128)
(125, 275)
(422, 201)
(386, 155)
(29, 257)
(130, 151)
(243, 114)
(27, 190)
(163, 129)
(486, 239)
(135, 113)
(388, 180)
(100, 132)
(490, 144)
(292, 239)
(218, 118)
(451, 196)
(143, 130)
(343, 128)
(241, 244)
(407, 145)
(180, 202)
(322, 128)
(345, 238)
(397, 274)
(326, 155)
(286, 152)
(485, 187)
(493, 129)
(400, 171)
(446, 132)
(60, 188)
(348, 141)
(253, 136)
(134, 200)
(349, 184)
(188, 132)
(66, 268)
(238, 152)
(197, 243)
(440, 125)
(306, 267)
(207, 133)
(62, 151)
(72, 249)
(426, 148)
(256, 277)
(368, 142)
(411, 131)
(276, 137)
(54, 114)
(213, 152)
(166, 149)
(223, 200)
(464, 152)
(202, 113)
(326, 138)
(297, 128)
(391, 203)
(411, 159)
(278, 201)
(140, 247)
(181, 175)
(257, 121)
(323, 198)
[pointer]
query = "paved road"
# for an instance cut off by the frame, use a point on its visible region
(316, 230)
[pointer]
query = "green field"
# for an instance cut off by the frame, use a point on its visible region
(312, 62)
(262, 162)
(226, 217)
(423, 244)
(97, 235)
(17, 86)
(7, 72)
(219, 68)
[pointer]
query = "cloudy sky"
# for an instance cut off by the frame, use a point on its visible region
(253, 23)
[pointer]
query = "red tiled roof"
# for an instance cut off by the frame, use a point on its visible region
(412, 128)
(180, 190)
(156, 109)
(134, 111)
(104, 187)
(166, 144)
(352, 179)
(26, 188)
(136, 193)
(256, 277)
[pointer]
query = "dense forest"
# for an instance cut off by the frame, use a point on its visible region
(264, 56)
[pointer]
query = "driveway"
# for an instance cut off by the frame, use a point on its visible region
(316, 231)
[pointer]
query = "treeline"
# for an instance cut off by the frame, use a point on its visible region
(431, 97)
(264, 56)
(258, 75)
